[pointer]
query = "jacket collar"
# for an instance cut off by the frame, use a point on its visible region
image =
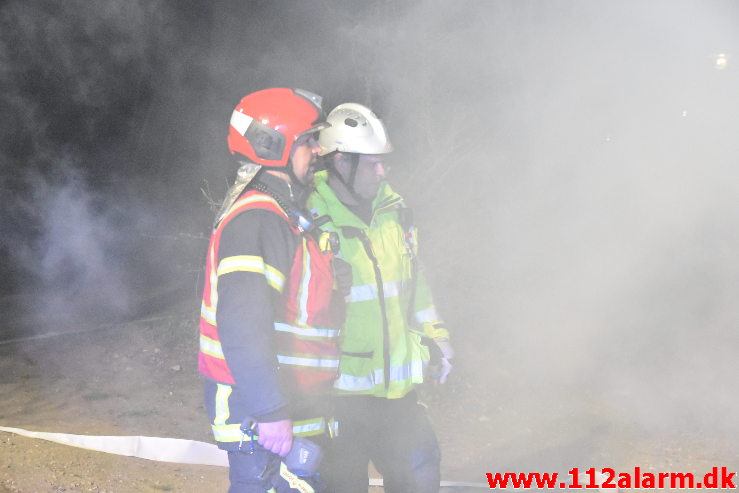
(340, 214)
(278, 187)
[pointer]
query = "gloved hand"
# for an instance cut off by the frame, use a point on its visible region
(447, 353)
(277, 436)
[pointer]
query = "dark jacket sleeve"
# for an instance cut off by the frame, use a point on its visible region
(248, 299)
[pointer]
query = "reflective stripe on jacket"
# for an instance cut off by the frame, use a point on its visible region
(381, 352)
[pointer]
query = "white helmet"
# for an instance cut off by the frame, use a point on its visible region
(356, 129)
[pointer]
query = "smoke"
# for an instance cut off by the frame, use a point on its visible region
(82, 89)
(605, 229)
(572, 170)
(74, 262)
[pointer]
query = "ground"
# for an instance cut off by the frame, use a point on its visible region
(140, 378)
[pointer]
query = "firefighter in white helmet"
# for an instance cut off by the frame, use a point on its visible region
(391, 323)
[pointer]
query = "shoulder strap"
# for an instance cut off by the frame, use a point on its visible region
(254, 199)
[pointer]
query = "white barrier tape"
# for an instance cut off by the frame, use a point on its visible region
(152, 448)
(159, 449)
(377, 482)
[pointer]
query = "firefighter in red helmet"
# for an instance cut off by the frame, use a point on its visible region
(265, 330)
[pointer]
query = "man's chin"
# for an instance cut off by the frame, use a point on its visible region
(372, 193)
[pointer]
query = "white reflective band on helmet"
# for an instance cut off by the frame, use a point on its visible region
(427, 315)
(368, 292)
(240, 121)
(311, 362)
(306, 331)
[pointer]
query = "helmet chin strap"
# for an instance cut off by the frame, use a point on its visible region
(349, 184)
(299, 189)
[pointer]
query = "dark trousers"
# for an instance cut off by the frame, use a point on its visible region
(260, 473)
(395, 434)
(251, 473)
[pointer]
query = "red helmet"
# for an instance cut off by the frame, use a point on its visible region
(266, 123)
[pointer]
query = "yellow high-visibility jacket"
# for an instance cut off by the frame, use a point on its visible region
(381, 349)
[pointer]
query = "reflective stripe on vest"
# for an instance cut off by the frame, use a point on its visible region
(255, 264)
(303, 290)
(307, 351)
(231, 432)
(308, 354)
(207, 313)
(211, 347)
(308, 332)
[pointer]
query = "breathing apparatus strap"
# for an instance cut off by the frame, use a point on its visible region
(297, 219)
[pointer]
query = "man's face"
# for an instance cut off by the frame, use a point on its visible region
(369, 176)
(304, 156)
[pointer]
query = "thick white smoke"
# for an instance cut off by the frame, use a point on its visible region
(74, 261)
(572, 169)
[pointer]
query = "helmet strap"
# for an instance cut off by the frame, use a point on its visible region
(353, 172)
(348, 182)
(293, 177)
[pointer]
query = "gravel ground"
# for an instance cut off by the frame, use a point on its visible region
(140, 378)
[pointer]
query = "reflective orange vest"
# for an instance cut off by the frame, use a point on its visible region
(307, 341)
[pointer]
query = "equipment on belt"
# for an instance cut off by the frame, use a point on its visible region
(303, 459)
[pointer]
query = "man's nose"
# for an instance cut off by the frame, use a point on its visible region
(314, 147)
(380, 170)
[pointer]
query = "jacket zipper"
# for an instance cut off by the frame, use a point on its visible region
(381, 297)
